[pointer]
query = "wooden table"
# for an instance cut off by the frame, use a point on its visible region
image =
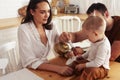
(51, 75)
(113, 73)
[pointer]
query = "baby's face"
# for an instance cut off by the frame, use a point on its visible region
(92, 35)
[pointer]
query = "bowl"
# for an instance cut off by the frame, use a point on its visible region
(61, 48)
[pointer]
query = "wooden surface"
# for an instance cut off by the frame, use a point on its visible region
(81, 16)
(10, 22)
(51, 75)
(114, 73)
(15, 22)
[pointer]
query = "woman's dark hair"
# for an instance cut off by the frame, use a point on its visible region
(33, 5)
(97, 6)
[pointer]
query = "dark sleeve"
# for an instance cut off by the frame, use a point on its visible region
(116, 28)
(114, 33)
(117, 38)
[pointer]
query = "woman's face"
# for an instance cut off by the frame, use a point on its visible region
(41, 13)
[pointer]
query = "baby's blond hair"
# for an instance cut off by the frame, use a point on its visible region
(94, 23)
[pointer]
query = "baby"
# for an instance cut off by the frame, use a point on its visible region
(94, 64)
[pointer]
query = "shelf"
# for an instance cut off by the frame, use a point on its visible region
(15, 22)
(9, 22)
(81, 16)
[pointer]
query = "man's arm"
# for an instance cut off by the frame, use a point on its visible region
(73, 36)
(78, 36)
(115, 50)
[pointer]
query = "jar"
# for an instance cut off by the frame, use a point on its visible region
(54, 10)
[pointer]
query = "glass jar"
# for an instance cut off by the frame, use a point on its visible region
(54, 10)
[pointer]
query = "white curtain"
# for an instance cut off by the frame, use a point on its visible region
(112, 5)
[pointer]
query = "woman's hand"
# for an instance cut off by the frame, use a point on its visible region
(65, 70)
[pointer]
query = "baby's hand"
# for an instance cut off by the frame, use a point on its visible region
(77, 50)
(79, 57)
(79, 67)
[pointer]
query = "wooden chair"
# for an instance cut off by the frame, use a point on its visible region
(3, 64)
(67, 23)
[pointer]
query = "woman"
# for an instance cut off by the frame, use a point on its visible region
(36, 34)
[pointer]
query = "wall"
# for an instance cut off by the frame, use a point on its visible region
(112, 5)
(8, 8)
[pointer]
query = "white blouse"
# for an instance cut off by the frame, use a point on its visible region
(32, 51)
